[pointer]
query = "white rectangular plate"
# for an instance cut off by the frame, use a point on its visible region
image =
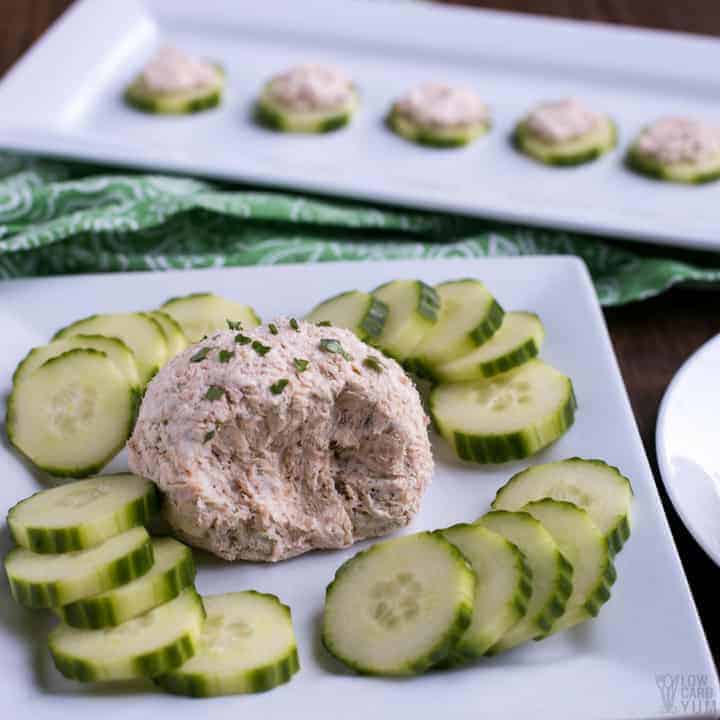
(604, 669)
(65, 98)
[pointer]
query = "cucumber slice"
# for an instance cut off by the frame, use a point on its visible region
(138, 331)
(360, 312)
(593, 485)
(552, 575)
(414, 308)
(578, 151)
(172, 571)
(507, 417)
(247, 645)
(149, 645)
(73, 414)
(274, 116)
(503, 587)
(399, 607)
(120, 354)
(82, 514)
(174, 335)
(469, 316)
(586, 548)
(685, 172)
(202, 314)
(144, 98)
(517, 341)
(455, 136)
(52, 580)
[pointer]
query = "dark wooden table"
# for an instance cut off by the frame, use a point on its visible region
(652, 338)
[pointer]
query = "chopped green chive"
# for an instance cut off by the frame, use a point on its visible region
(373, 363)
(214, 393)
(277, 387)
(333, 346)
(209, 435)
(294, 325)
(234, 324)
(300, 364)
(272, 327)
(259, 348)
(200, 354)
(241, 339)
(324, 323)
(225, 356)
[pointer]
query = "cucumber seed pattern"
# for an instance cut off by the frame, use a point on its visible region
(396, 600)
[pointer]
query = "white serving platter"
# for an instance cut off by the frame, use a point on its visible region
(65, 98)
(649, 631)
(688, 450)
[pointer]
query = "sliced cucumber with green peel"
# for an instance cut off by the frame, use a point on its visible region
(517, 341)
(680, 172)
(439, 137)
(593, 485)
(138, 331)
(400, 606)
(174, 335)
(146, 646)
(185, 102)
(247, 645)
(360, 312)
(506, 417)
(577, 151)
(503, 590)
(586, 548)
(40, 580)
(172, 572)
(552, 575)
(202, 314)
(414, 308)
(73, 414)
(82, 514)
(469, 316)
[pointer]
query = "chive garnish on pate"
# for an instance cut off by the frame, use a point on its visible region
(333, 346)
(277, 387)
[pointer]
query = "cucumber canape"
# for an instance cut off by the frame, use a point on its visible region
(307, 99)
(413, 308)
(73, 414)
(517, 341)
(82, 514)
(360, 312)
(172, 571)
(565, 132)
(40, 580)
(506, 417)
(140, 332)
(552, 575)
(593, 485)
(247, 645)
(201, 314)
(503, 587)
(146, 646)
(399, 607)
(469, 316)
(586, 548)
(174, 335)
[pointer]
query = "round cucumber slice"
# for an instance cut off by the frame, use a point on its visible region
(73, 414)
(174, 335)
(247, 645)
(506, 417)
(586, 548)
(682, 172)
(577, 151)
(517, 341)
(52, 580)
(399, 607)
(202, 314)
(360, 312)
(146, 646)
(172, 571)
(138, 331)
(503, 587)
(552, 575)
(455, 136)
(469, 317)
(413, 308)
(82, 514)
(593, 485)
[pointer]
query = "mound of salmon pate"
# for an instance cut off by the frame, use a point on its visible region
(289, 437)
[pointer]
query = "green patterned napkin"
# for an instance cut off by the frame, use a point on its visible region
(59, 217)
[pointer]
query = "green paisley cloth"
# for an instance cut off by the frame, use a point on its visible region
(58, 217)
